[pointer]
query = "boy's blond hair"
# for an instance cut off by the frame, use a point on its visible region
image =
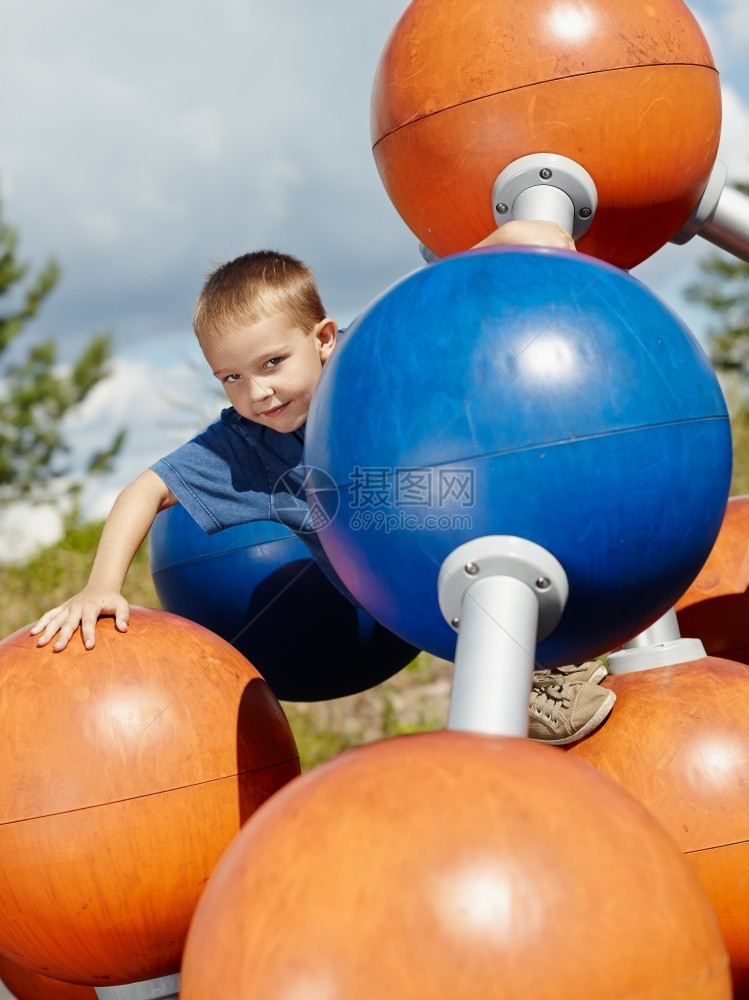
(256, 285)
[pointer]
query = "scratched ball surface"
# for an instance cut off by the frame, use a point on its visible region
(25, 984)
(678, 741)
(464, 89)
(715, 607)
(422, 866)
(127, 770)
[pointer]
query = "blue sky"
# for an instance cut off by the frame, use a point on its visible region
(144, 140)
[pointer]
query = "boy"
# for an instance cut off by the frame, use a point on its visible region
(264, 332)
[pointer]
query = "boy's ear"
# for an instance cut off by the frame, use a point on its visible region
(326, 333)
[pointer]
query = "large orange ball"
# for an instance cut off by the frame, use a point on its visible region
(126, 771)
(27, 985)
(452, 866)
(627, 89)
(678, 740)
(716, 606)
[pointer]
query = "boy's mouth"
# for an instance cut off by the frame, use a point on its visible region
(274, 411)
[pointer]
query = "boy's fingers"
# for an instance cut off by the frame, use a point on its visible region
(121, 611)
(66, 629)
(86, 616)
(43, 621)
(63, 639)
(51, 628)
(63, 621)
(44, 638)
(88, 631)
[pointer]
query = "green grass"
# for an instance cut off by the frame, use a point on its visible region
(59, 571)
(413, 701)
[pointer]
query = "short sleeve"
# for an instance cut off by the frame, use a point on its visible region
(218, 478)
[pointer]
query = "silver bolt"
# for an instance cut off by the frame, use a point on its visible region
(545, 173)
(543, 583)
(471, 568)
(501, 208)
(455, 622)
(585, 213)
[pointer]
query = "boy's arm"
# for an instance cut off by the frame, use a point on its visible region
(128, 524)
(520, 232)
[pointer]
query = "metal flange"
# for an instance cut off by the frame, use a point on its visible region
(549, 187)
(504, 555)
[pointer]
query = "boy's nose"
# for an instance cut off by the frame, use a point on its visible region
(258, 389)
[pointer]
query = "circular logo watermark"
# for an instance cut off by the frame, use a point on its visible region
(298, 504)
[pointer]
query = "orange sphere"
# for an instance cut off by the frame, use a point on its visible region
(453, 866)
(678, 740)
(27, 985)
(126, 771)
(625, 88)
(716, 606)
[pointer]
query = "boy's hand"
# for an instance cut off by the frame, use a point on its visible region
(83, 609)
(525, 232)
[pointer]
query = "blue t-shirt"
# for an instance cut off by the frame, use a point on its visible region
(237, 471)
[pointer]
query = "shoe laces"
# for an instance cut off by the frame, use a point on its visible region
(546, 700)
(544, 681)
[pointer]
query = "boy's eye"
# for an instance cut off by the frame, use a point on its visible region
(273, 363)
(234, 377)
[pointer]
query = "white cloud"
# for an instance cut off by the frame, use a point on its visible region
(146, 140)
(24, 528)
(149, 140)
(726, 27)
(161, 407)
(734, 145)
(672, 269)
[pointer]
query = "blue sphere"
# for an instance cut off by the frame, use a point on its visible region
(257, 586)
(527, 392)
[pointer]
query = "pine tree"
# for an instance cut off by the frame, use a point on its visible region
(36, 392)
(724, 288)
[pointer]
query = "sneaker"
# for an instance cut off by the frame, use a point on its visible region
(592, 672)
(562, 713)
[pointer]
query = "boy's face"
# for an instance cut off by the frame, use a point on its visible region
(269, 368)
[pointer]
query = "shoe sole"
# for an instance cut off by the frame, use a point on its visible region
(593, 723)
(597, 676)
